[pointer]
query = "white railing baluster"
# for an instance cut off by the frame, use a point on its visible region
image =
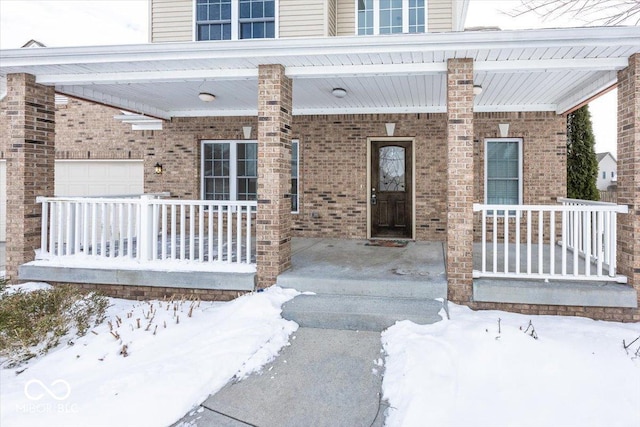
(517, 242)
(587, 229)
(220, 233)
(506, 241)
(201, 233)
(118, 227)
(484, 241)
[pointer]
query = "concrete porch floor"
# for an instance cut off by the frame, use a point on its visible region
(339, 266)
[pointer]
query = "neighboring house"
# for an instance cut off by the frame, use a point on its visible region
(607, 171)
(313, 119)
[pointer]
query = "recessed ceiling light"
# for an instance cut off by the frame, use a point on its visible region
(206, 96)
(338, 92)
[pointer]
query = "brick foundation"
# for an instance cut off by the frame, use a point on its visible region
(153, 292)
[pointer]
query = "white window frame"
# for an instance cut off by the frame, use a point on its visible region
(405, 17)
(297, 142)
(235, 21)
(520, 166)
(233, 166)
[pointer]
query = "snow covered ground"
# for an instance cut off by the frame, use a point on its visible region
(472, 371)
(167, 370)
(477, 369)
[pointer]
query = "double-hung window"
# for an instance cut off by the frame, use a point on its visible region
(391, 16)
(503, 171)
(235, 19)
(230, 171)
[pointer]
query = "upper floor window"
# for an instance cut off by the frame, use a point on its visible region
(235, 19)
(391, 16)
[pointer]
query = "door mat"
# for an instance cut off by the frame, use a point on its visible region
(388, 243)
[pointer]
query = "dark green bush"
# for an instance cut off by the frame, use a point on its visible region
(33, 323)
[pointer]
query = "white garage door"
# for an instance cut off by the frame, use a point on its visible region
(99, 177)
(3, 200)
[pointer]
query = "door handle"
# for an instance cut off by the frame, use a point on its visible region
(374, 198)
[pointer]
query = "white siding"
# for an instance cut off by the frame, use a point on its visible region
(607, 165)
(302, 18)
(171, 21)
(3, 200)
(346, 22)
(440, 15)
(99, 177)
(332, 16)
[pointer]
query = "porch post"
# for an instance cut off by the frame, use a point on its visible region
(628, 257)
(30, 165)
(460, 179)
(273, 227)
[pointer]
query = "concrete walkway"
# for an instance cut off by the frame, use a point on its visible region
(324, 378)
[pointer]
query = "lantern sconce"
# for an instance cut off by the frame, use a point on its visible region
(504, 130)
(158, 169)
(246, 132)
(391, 128)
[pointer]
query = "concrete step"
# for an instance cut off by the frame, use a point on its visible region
(359, 313)
(398, 286)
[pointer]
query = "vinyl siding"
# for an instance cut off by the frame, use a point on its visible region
(302, 18)
(331, 18)
(171, 21)
(440, 15)
(346, 18)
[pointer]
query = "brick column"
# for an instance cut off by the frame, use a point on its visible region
(30, 165)
(273, 228)
(629, 170)
(460, 179)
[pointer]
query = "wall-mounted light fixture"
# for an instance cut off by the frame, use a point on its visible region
(391, 128)
(158, 169)
(339, 92)
(206, 96)
(477, 89)
(504, 130)
(246, 132)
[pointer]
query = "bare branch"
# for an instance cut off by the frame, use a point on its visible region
(590, 12)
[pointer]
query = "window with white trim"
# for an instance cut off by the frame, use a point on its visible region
(391, 16)
(503, 171)
(230, 171)
(235, 19)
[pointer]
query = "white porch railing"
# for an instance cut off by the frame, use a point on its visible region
(148, 228)
(575, 240)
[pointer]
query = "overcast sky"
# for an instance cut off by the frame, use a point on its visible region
(102, 22)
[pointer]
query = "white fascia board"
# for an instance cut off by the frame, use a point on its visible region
(114, 101)
(214, 113)
(148, 76)
(603, 81)
(369, 110)
(365, 70)
(282, 48)
(525, 66)
(513, 108)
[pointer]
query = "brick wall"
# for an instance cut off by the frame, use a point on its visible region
(153, 292)
(29, 150)
(629, 171)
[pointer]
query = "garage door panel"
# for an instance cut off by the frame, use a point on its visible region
(99, 177)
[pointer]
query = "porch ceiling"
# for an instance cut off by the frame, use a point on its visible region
(532, 70)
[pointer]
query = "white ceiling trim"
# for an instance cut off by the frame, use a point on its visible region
(125, 104)
(526, 66)
(148, 77)
(366, 70)
(587, 91)
(369, 110)
(214, 112)
(513, 108)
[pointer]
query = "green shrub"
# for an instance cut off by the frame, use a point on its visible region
(33, 323)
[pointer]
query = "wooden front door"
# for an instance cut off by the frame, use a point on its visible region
(391, 189)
